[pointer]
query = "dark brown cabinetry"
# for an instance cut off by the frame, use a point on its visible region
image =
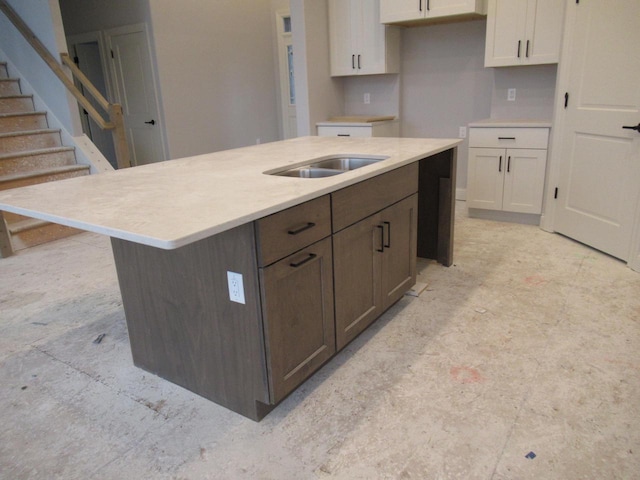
(374, 248)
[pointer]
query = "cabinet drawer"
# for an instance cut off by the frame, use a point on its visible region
(290, 230)
(358, 201)
(509, 137)
(330, 131)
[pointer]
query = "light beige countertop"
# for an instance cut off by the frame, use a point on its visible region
(174, 203)
(511, 123)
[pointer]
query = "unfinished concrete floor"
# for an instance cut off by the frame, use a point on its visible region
(529, 343)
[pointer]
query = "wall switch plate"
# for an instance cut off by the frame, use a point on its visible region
(367, 98)
(511, 95)
(236, 287)
(463, 132)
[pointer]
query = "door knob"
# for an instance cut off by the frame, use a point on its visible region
(151, 122)
(636, 128)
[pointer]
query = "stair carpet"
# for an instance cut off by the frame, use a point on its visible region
(30, 153)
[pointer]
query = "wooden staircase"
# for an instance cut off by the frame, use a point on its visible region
(30, 153)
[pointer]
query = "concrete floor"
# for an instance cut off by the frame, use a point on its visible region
(529, 343)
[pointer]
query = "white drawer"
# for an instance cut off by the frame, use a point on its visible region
(329, 131)
(509, 137)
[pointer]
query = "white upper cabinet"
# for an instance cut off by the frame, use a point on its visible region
(523, 32)
(359, 43)
(421, 11)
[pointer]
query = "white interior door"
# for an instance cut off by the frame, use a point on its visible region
(136, 92)
(599, 180)
(287, 89)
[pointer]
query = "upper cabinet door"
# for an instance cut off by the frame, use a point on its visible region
(545, 30)
(359, 43)
(420, 11)
(401, 10)
(523, 32)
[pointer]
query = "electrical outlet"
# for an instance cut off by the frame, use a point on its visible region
(236, 287)
(463, 132)
(511, 95)
(367, 98)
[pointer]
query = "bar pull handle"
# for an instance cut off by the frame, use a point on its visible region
(506, 138)
(388, 244)
(519, 44)
(302, 262)
(353, 62)
(500, 164)
(359, 62)
(301, 229)
(509, 164)
(527, 54)
(344, 135)
(381, 249)
(420, 4)
(636, 128)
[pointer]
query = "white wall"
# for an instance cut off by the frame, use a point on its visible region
(82, 16)
(43, 17)
(318, 96)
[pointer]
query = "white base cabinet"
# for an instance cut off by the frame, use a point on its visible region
(507, 169)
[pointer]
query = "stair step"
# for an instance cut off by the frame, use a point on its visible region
(42, 176)
(4, 73)
(9, 86)
(31, 232)
(29, 140)
(36, 160)
(20, 122)
(16, 103)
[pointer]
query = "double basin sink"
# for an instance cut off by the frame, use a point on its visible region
(329, 166)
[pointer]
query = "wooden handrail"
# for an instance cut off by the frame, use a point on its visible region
(115, 122)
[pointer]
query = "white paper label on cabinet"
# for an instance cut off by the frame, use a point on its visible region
(236, 287)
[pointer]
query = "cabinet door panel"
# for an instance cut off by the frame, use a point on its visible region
(342, 17)
(401, 10)
(485, 178)
(506, 24)
(372, 52)
(356, 273)
(399, 257)
(544, 30)
(298, 316)
(524, 180)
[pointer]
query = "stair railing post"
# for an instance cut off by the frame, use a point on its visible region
(119, 136)
(5, 241)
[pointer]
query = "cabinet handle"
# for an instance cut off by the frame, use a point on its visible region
(527, 54)
(353, 62)
(428, 5)
(509, 164)
(359, 62)
(420, 4)
(301, 229)
(388, 244)
(302, 262)
(500, 164)
(519, 43)
(381, 249)
(506, 138)
(344, 135)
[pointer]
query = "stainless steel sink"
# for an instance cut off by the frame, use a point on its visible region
(328, 166)
(309, 172)
(345, 163)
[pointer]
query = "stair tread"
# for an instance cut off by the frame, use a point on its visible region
(27, 224)
(29, 132)
(15, 95)
(34, 152)
(46, 171)
(20, 114)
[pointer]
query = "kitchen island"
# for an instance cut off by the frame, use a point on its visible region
(238, 284)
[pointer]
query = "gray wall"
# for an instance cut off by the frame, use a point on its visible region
(444, 85)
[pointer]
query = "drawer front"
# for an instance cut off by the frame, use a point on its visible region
(345, 131)
(290, 230)
(509, 137)
(358, 201)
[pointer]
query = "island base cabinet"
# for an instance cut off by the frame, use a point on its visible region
(374, 265)
(297, 299)
(182, 325)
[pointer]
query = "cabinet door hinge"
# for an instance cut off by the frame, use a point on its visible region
(566, 100)
(555, 193)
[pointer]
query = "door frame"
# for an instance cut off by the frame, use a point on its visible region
(547, 221)
(138, 28)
